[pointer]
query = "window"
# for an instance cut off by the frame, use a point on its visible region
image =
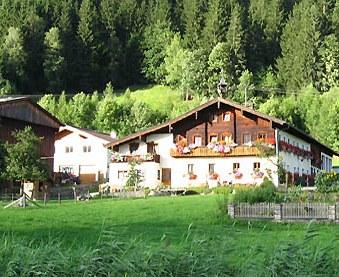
(213, 117)
(246, 138)
(122, 174)
(226, 116)
(87, 148)
(256, 166)
(190, 168)
(197, 140)
(213, 138)
(69, 149)
(133, 147)
(262, 136)
(236, 166)
(227, 137)
(211, 168)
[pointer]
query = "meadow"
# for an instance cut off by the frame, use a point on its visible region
(160, 236)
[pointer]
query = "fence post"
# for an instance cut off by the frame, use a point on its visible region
(332, 212)
(231, 210)
(278, 212)
(45, 198)
(59, 198)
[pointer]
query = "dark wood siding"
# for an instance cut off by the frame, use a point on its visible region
(8, 126)
(240, 123)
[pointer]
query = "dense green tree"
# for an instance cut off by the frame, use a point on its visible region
(23, 161)
(193, 18)
(175, 59)
(299, 63)
(106, 116)
(195, 72)
(329, 56)
(48, 102)
(88, 46)
(82, 110)
(156, 38)
(245, 89)
(33, 32)
(54, 62)
(13, 59)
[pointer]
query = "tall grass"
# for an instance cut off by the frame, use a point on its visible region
(195, 256)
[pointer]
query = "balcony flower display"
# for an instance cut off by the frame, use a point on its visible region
(287, 147)
(149, 156)
(192, 176)
(214, 176)
(257, 173)
(219, 147)
(237, 174)
(117, 157)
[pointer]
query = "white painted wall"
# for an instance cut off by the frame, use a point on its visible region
(179, 166)
(89, 162)
(293, 163)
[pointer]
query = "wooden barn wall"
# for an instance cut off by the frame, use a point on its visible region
(26, 111)
(240, 123)
(8, 126)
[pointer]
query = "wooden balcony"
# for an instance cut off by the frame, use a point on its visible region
(138, 158)
(206, 152)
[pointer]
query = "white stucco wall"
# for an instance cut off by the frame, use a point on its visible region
(179, 166)
(293, 163)
(88, 162)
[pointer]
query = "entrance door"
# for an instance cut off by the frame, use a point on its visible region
(166, 177)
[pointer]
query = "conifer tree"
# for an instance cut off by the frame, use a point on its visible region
(53, 60)
(298, 66)
(193, 18)
(13, 59)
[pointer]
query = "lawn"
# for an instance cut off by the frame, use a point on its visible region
(79, 226)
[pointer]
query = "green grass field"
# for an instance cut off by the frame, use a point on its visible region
(75, 227)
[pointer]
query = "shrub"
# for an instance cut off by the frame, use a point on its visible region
(222, 190)
(266, 192)
(327, 182)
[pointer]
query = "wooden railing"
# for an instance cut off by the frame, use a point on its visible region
(138, 158)
(207, 152)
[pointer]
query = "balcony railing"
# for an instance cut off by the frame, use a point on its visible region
(137, 158)
(207, 152)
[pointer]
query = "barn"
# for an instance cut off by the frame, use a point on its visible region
(16, 113)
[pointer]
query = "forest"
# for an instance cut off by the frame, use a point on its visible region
(279, 56)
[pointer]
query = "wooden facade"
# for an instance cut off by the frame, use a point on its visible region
(224, 121)
(18, 113)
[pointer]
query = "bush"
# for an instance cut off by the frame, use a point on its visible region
(327, 182)
(222, 190)
(266, 192)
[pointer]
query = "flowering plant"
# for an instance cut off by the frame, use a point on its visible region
(192, 176)
(237, 174)
(214, 176)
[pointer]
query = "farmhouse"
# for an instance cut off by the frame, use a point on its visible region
(82, 152)
(220, 142)
(17, 113)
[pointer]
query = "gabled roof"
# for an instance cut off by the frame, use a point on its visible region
(281, 124)
(24, 109)
(105, 138)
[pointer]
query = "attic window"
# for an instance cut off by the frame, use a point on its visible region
(213, 117)
(226, 116)
(133, 147)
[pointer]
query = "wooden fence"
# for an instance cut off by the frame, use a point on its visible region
(285, 211)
